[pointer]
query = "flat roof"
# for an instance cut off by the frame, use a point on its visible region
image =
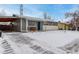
(26, 17)
(36, 19)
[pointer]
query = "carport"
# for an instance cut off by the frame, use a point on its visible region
(9, 27)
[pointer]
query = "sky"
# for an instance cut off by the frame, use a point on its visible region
(56, 11)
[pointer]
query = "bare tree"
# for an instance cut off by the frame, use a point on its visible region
(75, 17)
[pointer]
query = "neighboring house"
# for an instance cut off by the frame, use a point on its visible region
(63, 26)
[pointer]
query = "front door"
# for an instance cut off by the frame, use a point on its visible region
(38, 26)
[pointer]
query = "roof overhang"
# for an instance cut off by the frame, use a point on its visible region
(11, 18)
(7, 19)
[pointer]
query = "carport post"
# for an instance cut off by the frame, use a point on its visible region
(21, 24)
(26, 25)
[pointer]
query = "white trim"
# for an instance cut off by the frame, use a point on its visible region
(26, 25)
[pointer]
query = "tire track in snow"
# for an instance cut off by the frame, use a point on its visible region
(7, 48)
(18, 38)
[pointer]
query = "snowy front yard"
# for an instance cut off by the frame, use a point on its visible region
(49, 42)
(56, 40)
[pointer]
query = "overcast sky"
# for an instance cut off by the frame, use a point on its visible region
(56, 11)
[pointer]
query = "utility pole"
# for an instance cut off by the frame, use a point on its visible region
(45, 15)
(21, 9)
(21, 14)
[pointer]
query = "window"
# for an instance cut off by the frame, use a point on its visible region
(31, 23)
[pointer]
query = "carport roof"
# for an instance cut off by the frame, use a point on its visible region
(7, 19)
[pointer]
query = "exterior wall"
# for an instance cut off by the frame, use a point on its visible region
(49, 27)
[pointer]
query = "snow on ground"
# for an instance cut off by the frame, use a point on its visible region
(48, 42)
(23, 45)
(1, 49)
(18, 47)
(54, 38)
